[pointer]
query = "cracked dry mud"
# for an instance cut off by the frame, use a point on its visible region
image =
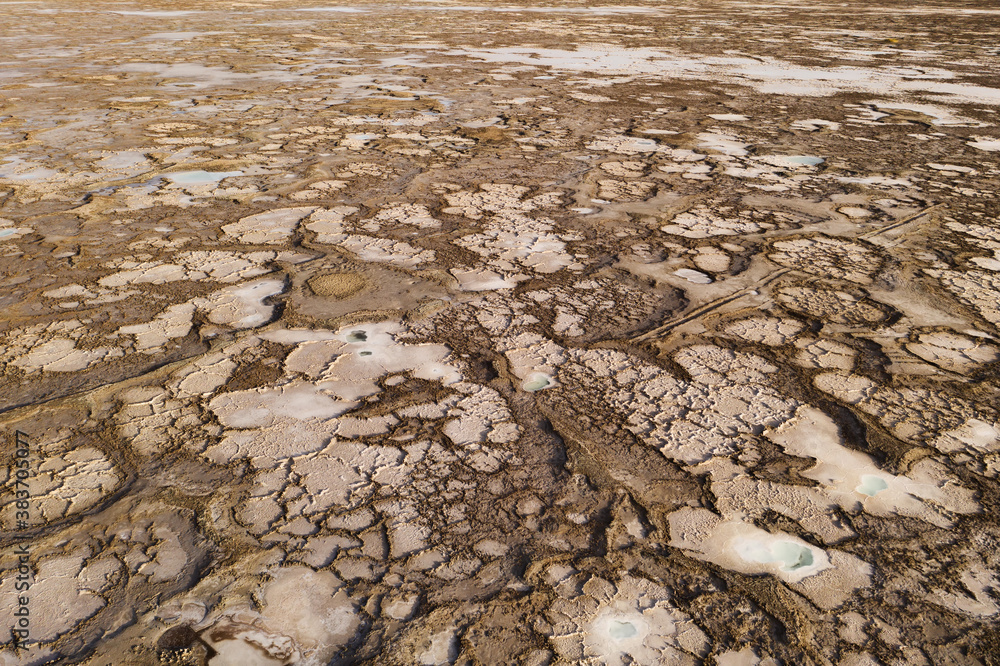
(443, 333)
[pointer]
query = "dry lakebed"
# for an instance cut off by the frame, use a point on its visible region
(486, 332)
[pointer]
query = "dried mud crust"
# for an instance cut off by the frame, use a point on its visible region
(548, 335)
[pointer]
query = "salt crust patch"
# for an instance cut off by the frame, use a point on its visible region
(631, 620)
(271, 228)
(479, 279)
(825, 256)
(852, 479)
(987, 144)
(768, 75)
(827, 578)
(303, 431)
(825, 353)
(511, 241)
(744, 657)
(700, 222)
(919, 415)
(240, 306)
(765, 330)
(68, 481)
(927, 492)
(332, 228)
(62, 355)
(67, 589)
(729, 388)
(941, 115)
(954, 351)
(977, 287)
(834, 306)
(305, 617)
(303, 417)
(215, 265)
(816, 125)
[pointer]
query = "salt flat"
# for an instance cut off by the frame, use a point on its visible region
(498, 333)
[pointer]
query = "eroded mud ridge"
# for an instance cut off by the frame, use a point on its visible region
(499, 333)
